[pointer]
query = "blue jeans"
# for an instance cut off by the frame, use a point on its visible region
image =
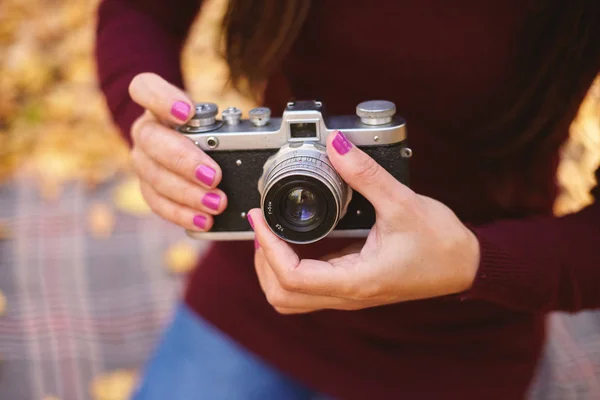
(195, 361)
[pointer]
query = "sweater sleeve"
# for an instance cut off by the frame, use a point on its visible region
(542, 263)
(134, 36)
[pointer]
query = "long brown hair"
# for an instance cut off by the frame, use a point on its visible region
(259, 27)
(559, 55)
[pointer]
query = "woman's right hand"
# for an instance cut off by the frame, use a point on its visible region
(177, 179)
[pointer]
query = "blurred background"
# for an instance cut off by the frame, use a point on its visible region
(87, 275)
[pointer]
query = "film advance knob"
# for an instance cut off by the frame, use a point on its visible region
(205, 114)
(232, 115)
(376, 112)
(259, 116)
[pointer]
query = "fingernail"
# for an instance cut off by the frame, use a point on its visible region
(256, 244)
(180, 110)
(341, 144)
(205, 174)
(211, 200)
(200, 221)
(250, 221)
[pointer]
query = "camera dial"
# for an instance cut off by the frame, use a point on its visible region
(302, 196)
(376, 112)
(259, 116)
(232, 115)
(204, 119)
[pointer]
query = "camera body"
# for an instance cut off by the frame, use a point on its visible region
(281, 166)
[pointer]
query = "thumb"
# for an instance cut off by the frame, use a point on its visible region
(365, 175)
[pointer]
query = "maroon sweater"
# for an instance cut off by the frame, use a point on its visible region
(445, 65)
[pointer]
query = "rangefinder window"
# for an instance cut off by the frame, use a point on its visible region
(303, 130)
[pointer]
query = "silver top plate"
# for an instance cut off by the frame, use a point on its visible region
(276, 133)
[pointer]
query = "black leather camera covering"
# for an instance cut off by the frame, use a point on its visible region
(240, 183)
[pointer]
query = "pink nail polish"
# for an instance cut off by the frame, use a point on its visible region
(211, 200)
(205, 174)
(341, 144)
(180, 110)
(256, 244)
(200, 221)
(250, 221)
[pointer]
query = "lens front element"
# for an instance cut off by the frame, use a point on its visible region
(301, 206)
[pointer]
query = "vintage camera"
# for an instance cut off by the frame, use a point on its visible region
(281, 166)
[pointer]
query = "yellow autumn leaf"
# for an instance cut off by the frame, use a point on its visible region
(101, 220)
(2, 304)
(114, 385)
(5, 232)
(128, 198)
(181, 257)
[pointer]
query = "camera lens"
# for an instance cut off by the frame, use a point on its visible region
(301, 207)
(302, 196)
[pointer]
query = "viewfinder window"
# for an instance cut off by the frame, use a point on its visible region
(303, 130)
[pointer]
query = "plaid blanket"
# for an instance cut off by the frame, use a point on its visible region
(78, 306)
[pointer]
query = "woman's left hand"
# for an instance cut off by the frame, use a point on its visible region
(417, 248)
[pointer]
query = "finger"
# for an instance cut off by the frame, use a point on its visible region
(146, 116)
(283, 299)
(263, 284)
(163, 99)
(365, 175)
(306, 276)
(349, 250)
(176, 153)
(176, 188)
(175, 213)
(292, 311)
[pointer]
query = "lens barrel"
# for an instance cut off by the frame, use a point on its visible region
(302, 196)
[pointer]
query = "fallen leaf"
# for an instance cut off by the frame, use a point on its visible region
(128, 198)
(181, 257)
(5, 232)
(101, 220)
(2, 304)
(115, 385)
